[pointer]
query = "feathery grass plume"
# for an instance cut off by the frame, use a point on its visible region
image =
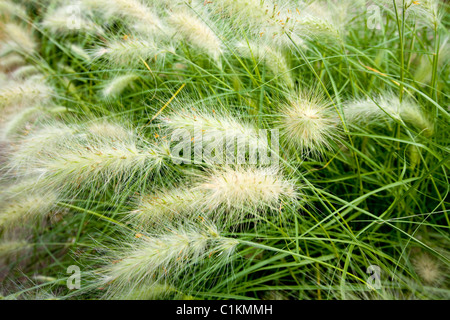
(42, 142)
(9, 9)
(427, 268)
(19, 39)
(109, 131)
(11, 61)
(54, 137)
(426, 12)
(197, 33)
(67, 20)
(32, 90)
(412, 113)
(165, 205)
(103, 163)
(308, 122)
(27, 289)
(86, 160)
(425, 63)
(23, 120)
(250, 13)
(281, 31)
(26, 208)
(162, 258)
(129, 52)
(12, 247)
(387, 107)
(24, 72)
(135, 12)
(79, 52)
(115, 87)
(154, 291)
(272, 58)
(225, 136)
(239, 191)
(321, 19)
(18, 120)
(263, 19)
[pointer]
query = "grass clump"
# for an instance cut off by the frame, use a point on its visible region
(224, 149)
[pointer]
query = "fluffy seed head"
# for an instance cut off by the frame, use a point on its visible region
(243, 190)
(321, 20)
(309, 123)
(39, 142)
(196, 33)
(24, 72)
(135, 13)
(427, 268)
(215, 130)
(9, 9)
(9, 248)
(250, 13)
(116, 86)
(11, 61)
(387, 107)
(18, 121)
(29, 207)
(80, 52)
(108, 131)
(128, 52)
(156, 259)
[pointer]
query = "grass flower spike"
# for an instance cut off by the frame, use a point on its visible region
(388, 108)
(224, 149)
(79, 157)
(218, 131)
(19, 39)
(129, 52)
(69, 19)
(152, 259)
(135, 12)
(308, 123)
(165, 205)
(30, 207)
(32, 90)
(271, 57)
(427, 268)
(240, 191)
(196, 33)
